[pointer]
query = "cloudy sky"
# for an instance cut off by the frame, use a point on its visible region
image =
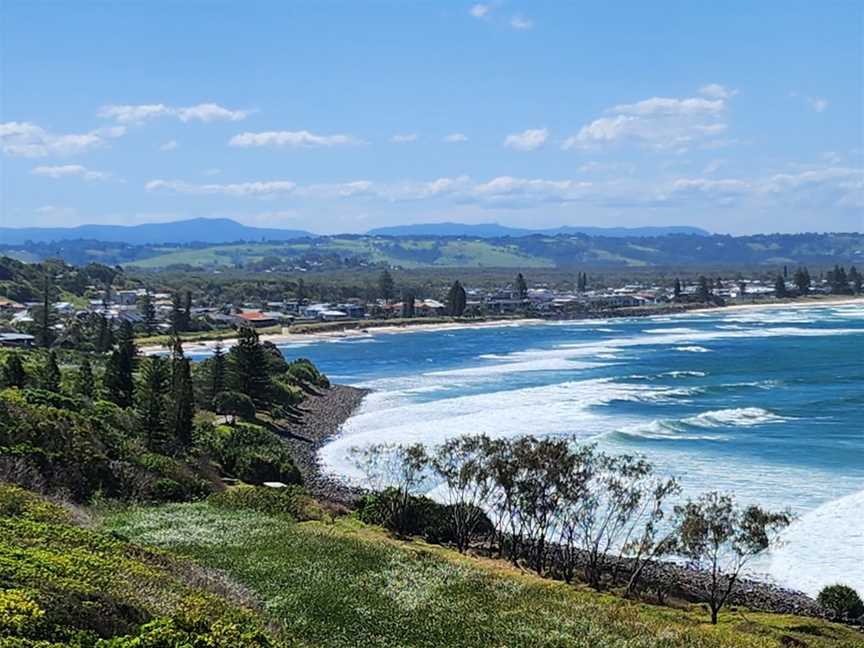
(333, 116)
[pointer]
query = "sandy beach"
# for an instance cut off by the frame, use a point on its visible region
(285, 339)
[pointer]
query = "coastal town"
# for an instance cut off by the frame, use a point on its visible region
(154, 313)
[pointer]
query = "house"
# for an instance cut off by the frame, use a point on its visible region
(429, 308)
(255, 319)
(16, 340)
(9, 306)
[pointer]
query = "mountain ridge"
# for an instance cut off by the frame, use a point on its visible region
(226, 230)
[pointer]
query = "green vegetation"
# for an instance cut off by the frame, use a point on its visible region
(344, 584)
(64, 585)
(537, 252)
(127, 427)
(843, 602)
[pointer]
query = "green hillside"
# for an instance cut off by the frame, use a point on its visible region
(343, 584)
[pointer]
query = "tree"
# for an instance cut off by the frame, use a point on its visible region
(396, 467)
(456, 299)
(386, 286)
(676, 290)
(120, 368)
(50, 376)
(248, 363)
(703, 292)
(178, 316)
(855, 279)
(521, 287)
(720, 538)
(152, 402)
(85, 384)
(301, 292)
(462, 464)
(44, 316)
(183, 403)
(842, 602)
(14, 374)
(234, 404)
(104, 334)
(802, 281)
(780, 287)
(148, 312)
(217, 372)
(838, 280)
(408, 305)
(187, 311)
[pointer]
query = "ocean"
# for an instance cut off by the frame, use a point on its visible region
(766, 404)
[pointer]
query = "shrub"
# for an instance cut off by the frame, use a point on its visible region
(841, 601)
(256, 455)
(19, 503)
(421, 516)
(292, 500)
(234, 404)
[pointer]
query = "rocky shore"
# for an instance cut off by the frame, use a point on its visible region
(323, 415)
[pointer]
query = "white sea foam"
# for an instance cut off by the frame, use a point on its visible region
(693, 349)
(823, 547)
(684, 374)
(736, 417)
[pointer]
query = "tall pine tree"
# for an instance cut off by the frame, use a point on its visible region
(456, 300)
(152, 402)
(183, 402)
(120, 368)
(249, 367)
(50, 378)
(85, 384)
(44, 316)
(217, 372)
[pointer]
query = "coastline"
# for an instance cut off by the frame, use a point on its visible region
(323, 417)
(287, 338)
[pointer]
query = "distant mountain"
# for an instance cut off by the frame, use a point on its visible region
(494, 230)
(195, 230)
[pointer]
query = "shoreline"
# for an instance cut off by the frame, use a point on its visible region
(359, 332)
(323, 417)
(326, 413)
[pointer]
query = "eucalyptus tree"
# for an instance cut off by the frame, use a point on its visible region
(399, 469)
(721, 538)
(463, 465)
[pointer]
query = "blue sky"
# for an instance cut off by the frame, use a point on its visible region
(739, 117)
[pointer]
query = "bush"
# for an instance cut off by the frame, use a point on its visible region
(234, 404)
(842, 602)
(256, 455)
(292, 500)
(422, 516)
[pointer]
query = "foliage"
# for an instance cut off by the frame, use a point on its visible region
(718, 536)
(342, 584)
(293, 501)
(234, 404)
(842, 601)
(68, 586)
(253, 454)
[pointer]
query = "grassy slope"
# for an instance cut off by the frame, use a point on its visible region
(345, 584)
(63, 585)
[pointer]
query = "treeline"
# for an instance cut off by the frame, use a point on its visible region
(564, 510)
(157, 427)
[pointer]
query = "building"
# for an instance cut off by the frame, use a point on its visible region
(255, 319)
(21, 340)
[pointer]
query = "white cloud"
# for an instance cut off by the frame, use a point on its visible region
(660, 123)
(528, 140)
(455, 138)
(205, 112)
(480, 10)
(69, 171)
(261, 189)
(817, 104)
(170, 145)
(127, 114)
(339, 189)
(521, 23)
(292, 139)
(404, 138)
(24, 139)
(717, 91)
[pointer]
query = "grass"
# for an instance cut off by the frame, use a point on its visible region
(344, 584)
(201, 336)
(64, 585)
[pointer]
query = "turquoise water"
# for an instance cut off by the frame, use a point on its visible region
(763, 403)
